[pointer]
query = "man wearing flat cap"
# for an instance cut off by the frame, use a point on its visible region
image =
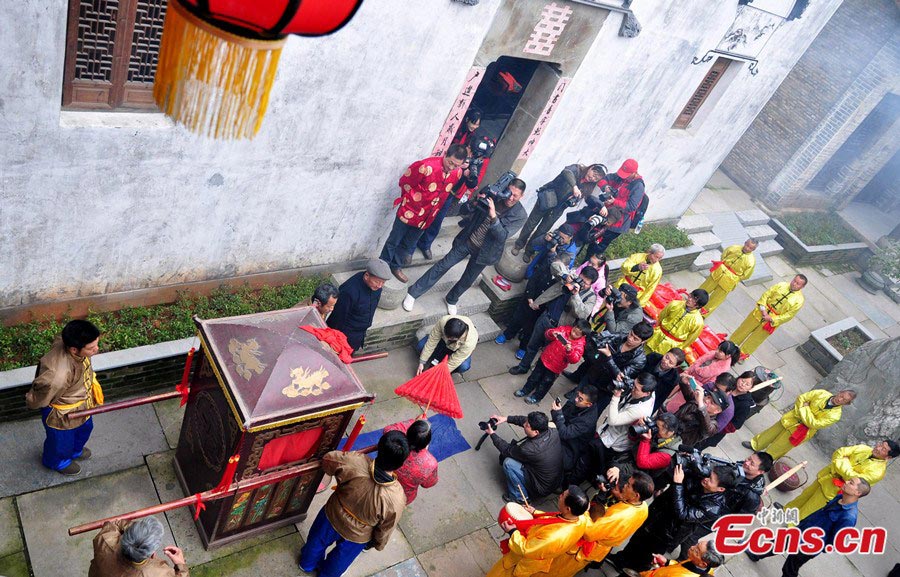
(357, 300)
(625, 189)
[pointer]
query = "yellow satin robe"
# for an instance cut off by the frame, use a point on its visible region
(533, 555)
(673, 570)
(643, 280)
(684, 326)
(722, 280)
(809, 409)
(782, 305)
(611, 530)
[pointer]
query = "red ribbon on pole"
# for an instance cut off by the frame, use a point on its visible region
(198, 506)
(228, 475)
(348, 446)
(182, 387)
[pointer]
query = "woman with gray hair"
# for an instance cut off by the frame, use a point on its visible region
(128, 549)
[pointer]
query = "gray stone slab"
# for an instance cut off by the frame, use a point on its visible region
(491, 359)
(694, 223)
(48, 513)
(408, 568)
(181, 521)
(369, 562)
(10, 532)
(878, 308)
(119, 441)
(728, 228)
(170, 414)
(752, 217)
(706, 240)
(275, 558)
(761, 273)
(381, 376)
(487, 283)
(469, 556)
(500, 390)
(15, 565)
(769, 248)
(761, 232)
(704, 260)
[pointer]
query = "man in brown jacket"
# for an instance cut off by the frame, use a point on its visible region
(65, 382)
(363, 510)
(128, 549)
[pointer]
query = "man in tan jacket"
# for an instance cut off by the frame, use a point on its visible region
(363, 510)
(453, 336)
(65, 382)
(128, 549)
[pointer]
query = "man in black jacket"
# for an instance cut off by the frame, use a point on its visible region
(535, 463)
(627, 312)
(746, 496)
(620, 357)
(486, 226)
(665, 369)
(575, 421)
(680, 516)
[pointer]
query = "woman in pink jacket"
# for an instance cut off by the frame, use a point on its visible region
(706, 368)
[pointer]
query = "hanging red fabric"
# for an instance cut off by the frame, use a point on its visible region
(333, 338)
(199, 505)
(183, 387)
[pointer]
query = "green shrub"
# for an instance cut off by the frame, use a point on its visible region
(818, 228)
(23, 345)
(668, 235)
(886, 259)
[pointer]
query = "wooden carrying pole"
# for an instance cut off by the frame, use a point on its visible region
(372, 357)
(210, 495)
(764, 384)
(123, 405)
(784, 477)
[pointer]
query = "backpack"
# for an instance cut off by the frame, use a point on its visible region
(641, 210)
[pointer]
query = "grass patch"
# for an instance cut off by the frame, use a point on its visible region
(668, 235)
(818, 228)
(24, 344)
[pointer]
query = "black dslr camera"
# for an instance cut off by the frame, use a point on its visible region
(555, 239)
(702, 464)
(482, 149)
(605, 194)
(638, 430)
(614, 297)
(483, 425)
(497, 191)
(625, 385)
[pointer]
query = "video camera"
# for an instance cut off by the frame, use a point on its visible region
(702, 464)
(497, 191)
(482, 149)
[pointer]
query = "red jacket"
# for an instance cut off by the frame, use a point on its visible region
(651, 461)
(423, 190)
(555, 357)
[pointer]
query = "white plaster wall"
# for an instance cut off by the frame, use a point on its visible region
(89, 210)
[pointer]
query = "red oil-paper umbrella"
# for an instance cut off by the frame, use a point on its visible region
(435, 389)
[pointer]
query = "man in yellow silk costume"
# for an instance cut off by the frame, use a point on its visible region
(617, 523)
(813, 410)
(737, 264)
(867, 463)
(643, 271)
(679, 324)
(532, 549)
(775, 307)
(702, 559)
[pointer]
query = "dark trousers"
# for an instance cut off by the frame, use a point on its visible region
(323, 535)
(538, 224)
(536, 341)
(638, 554)
(521, 324)
(431, 233)
(607, 239)
(400, 243)
(456, 255)
(594, 460)
(63, 445)
(792, 564)
(539, 381)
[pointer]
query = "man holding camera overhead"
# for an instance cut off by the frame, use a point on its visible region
(487, 222)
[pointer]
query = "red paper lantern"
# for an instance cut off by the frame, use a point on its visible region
(218, 58)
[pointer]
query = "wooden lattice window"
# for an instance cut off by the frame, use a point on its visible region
(703, 91)
(112, 48)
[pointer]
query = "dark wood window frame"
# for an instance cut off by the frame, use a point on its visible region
(111, 52)
(713, 76)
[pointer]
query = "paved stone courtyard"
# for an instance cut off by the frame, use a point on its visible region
(450, 530)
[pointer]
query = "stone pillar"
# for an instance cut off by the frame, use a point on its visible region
(871, 370)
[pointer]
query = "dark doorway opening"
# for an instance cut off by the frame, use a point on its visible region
(505, 82)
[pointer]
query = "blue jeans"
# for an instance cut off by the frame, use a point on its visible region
(463, 366)
(515, 477)
(431, 233)
(536, 342)
(321, 536)
(456, 255)
(400, 243)
(61, 446)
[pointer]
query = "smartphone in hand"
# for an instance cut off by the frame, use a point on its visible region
(692, 383)
(561, 339)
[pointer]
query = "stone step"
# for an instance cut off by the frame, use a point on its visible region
(761, 232)
(707, 240)
(484, 324)
(694, 223)
(769, 248)
(761, 273)
(752, 217)
(704, 260)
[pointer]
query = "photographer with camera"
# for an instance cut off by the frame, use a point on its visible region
(683, 513)
(565, 191)
(534, 463)
(622, 309)
(564, 303)
(575, 420)
(743, 404)
(611, 360)
(746, 496)
(623, 189)
(659, 441)
(549, 265)
(698, 415)
(629, 404)
(666, 370)
(565, 345)
(487, 222)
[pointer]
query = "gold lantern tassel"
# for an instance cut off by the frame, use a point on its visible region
(215, 83)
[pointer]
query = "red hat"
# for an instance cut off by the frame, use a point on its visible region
(628, 168)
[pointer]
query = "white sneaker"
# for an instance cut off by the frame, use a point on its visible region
(408, 303)
(452, 309)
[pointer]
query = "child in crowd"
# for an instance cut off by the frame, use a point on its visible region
(564, 346)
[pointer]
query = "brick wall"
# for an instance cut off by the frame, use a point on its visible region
(826, 71)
